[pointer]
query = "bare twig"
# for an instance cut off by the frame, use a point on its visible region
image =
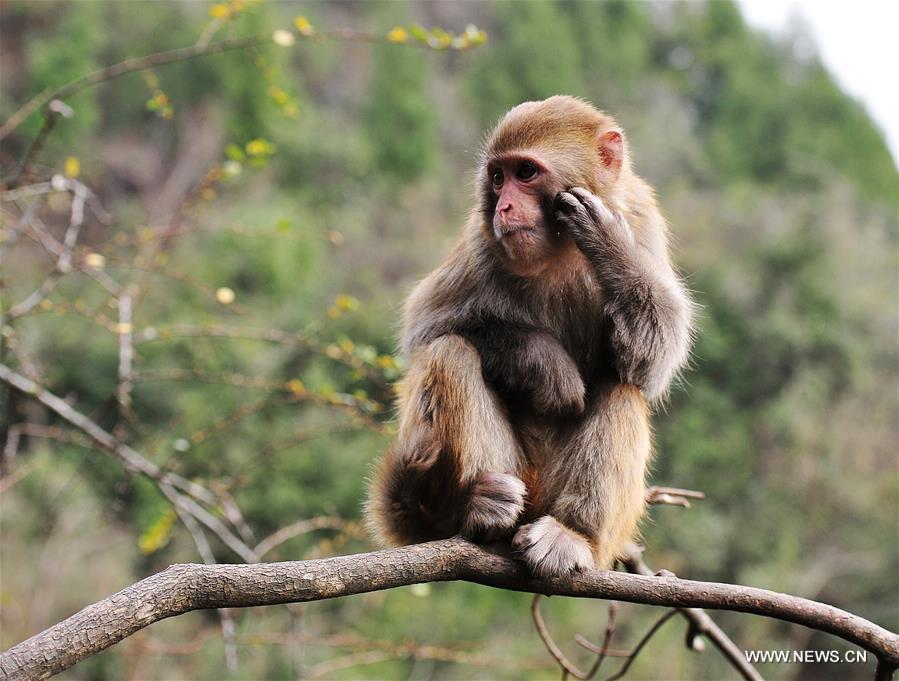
(567, 666)
(643, 641)
(302, 527)
(345, 662)
(55, 109)
(126, 354)
(80, 193)
(33, 299)
(205, 551)
(20, 473)
(232, 512)
(604, 651)
(36, 189)
(700, 623)
(134, 461)
(302, 339)
(134, 64)
(672, 496)
(181, 54)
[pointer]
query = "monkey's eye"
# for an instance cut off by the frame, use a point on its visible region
(497, 178)
(526, 170)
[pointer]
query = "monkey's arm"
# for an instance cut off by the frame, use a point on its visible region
(524, 359)
(648, 306)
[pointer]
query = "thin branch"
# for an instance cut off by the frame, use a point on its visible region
(184, 588)
(134, 64)
(229, 632)
(33, 299)
(80, 194)
(672, 496)
(54, 110)
(126, 355)
(643, 641)
(20, 473)
(36, 189)
(567, 666)
(302, 527)
(232, 512)
(181, 54)
(134, 461)
(604, 651)
(346, 662)
(700, 623)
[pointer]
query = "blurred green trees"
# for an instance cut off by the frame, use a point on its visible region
(782, 197)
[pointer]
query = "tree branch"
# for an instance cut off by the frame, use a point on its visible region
(700, 625)
(183, 588)
(200, 49)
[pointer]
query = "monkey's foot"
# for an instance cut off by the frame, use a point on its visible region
(551, 550)
(496, 502)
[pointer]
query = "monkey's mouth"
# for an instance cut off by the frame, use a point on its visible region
(516, 231)
(519, 240)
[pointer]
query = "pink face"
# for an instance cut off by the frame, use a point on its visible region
(521, 185)
(521, 188)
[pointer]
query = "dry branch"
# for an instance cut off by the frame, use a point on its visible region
(183, 588)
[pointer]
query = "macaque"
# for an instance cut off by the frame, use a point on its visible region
(535, 351)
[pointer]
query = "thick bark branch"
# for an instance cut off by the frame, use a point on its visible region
(182, 588)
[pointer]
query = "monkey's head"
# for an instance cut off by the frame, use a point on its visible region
(537, 150)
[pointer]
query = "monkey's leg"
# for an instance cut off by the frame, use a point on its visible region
(454, 465)
(596, 485)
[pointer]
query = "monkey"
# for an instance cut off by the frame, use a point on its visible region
(536, 352)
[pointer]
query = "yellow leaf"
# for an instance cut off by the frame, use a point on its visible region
(72, 167)
(296, 386)
(345, 302)
(303, 25)
(398, 34)
(219, 11)
(94, 260)
(277, 94)
(158, 534)
(283, 38)
(231, 168)
(225, 295)
(260, 147)
(421, 590)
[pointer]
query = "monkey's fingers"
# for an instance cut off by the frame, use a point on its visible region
(594, 205)
(572, 213)
(608, 221)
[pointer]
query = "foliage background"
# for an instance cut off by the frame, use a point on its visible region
(782, 196)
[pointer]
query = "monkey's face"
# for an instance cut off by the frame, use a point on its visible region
(519, 197)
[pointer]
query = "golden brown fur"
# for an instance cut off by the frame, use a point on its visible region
(524, 408)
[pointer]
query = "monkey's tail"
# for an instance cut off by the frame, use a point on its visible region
(402, 506)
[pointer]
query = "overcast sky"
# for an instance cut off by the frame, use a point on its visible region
(857, 40)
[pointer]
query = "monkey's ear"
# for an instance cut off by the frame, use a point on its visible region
(611, 155)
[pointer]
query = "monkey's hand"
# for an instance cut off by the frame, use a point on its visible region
(552, 378)
(532, 362)
(598, 231)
